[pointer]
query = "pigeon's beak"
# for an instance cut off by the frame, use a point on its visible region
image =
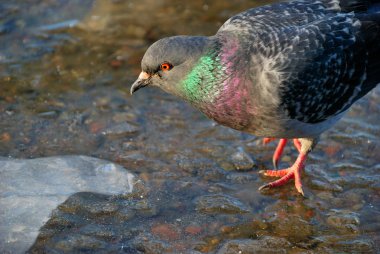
(142, 80)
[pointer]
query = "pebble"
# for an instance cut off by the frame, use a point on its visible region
(344, 244)
(240, 178)
(266, 244)
(193, 230)
(242, 160)
(145, 208)
(103, 232)
(291, 226)
(76, 242)
(344, 220)
(120, 130)
(218, 203)
(166, 232)
(5, 137)
(322, 185)
(95, 204)
(126, 213)
(146, 243)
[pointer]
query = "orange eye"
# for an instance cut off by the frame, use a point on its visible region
(166, 66)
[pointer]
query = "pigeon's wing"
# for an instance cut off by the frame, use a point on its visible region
(321, 56)
(327, 66)
(284, 14)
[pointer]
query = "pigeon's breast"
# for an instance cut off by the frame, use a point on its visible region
(233, 106)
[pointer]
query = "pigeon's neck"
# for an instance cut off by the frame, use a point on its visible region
(216, 84)
(200, 85)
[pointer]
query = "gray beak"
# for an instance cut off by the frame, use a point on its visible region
(142, 80)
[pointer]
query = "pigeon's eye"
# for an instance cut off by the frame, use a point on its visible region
(166, 66)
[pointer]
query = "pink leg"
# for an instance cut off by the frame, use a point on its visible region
(278, 152)
(279, 149)
(297, 144)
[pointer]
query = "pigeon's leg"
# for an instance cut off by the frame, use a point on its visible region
(294, 171)
(280, 148)
(297, 144)
(278, 152)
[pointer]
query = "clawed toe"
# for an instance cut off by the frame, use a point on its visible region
(275, 173)
(264, 187)
(285, 175)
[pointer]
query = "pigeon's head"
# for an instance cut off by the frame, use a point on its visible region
(168, 61)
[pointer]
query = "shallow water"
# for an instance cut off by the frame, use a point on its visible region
(65, 74)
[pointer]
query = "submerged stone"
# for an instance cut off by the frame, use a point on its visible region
(120, 130)
(266, 244)
(344, 221)
(219, 203)
(242, 160)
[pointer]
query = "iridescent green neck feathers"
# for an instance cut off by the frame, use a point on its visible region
(202, 83)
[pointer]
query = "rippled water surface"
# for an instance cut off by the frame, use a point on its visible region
(65, 73)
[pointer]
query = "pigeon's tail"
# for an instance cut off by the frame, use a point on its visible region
(375, 8)
(366, 6)
(370, 32)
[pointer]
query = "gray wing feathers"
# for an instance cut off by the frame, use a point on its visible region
(325, 71)
(317, 54)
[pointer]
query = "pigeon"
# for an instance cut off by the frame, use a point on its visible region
(288, 70)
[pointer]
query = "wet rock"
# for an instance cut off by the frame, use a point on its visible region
(129, 146)
(136, 160)
(218, 203)
(92, 203)
(147, 244)
(59, 220)
(193, 229)
(77, 242)
(125, 214)
(213, 174)
(166, 232)
(343, 220)
(322, 185)
(120, 130)
(266, 244)
(145, 208)
(242, 160)
(357, 246)
(105, 232)
(291, 226)
(31, 189)
(241, 178)
(341, 244)
(356, 181)
(113, 228)
(8, 27)
(5, 137)
(193, 165)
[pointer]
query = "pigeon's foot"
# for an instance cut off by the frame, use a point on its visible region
(287, 174)
(280, 148)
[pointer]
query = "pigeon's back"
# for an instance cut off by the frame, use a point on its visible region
(317, 57)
